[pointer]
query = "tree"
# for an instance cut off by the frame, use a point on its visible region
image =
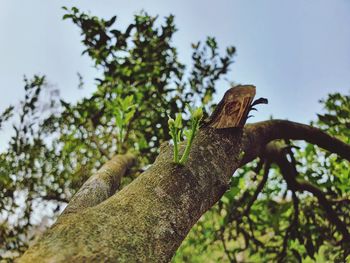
(123, 126)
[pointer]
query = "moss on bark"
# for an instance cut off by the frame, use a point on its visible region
(147, 220)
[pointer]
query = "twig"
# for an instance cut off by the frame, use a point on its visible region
(258, 189)
(327, 206)
(223, 241)
(293, 226)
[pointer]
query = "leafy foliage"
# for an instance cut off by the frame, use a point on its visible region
(57, 145)
(279, 225)
(26, 167)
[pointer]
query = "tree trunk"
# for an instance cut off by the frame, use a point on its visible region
(147, 220)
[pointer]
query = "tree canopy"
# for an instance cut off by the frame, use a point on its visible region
(290, 204)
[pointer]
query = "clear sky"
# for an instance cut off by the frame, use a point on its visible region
(295, 52)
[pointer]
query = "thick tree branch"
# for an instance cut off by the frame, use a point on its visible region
(257, 135)
(147, 220)
(101, 185)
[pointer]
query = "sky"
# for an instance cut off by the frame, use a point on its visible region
(294, 52)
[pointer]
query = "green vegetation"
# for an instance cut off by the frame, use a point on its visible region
(175, 130)
(268, 233)
(57, 145)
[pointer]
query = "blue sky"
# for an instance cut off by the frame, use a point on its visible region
(295, 52)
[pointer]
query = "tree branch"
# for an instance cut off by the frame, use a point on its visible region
(223, 241)
(147, 220)
(258, 189)
(276, 153)
(292, 227)
(101, 185)
(257, 135)
(327, 206)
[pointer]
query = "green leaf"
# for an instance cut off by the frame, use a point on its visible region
(178, 121)
(179, 135)
(118, 119)
(128, 116)
(187, 133)
(66, 16)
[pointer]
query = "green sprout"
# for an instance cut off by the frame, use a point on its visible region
(123, 115)
(175, 130)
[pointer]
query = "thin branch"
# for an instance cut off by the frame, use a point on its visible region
(292, 227)
(327, 206)
(238, 218)
(256, 241)
(341, 201)
(223, 241)
(258, 189)
(259, 165)
(276, 153)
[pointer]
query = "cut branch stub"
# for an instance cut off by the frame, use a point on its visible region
(233, 109)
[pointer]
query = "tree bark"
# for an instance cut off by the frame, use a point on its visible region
(148, 219)
(101, 185)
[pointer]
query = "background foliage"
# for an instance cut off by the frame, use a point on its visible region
(57, 145)
(227, 232)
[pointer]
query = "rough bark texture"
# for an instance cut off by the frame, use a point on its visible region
(147, 220)
(101, 185)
